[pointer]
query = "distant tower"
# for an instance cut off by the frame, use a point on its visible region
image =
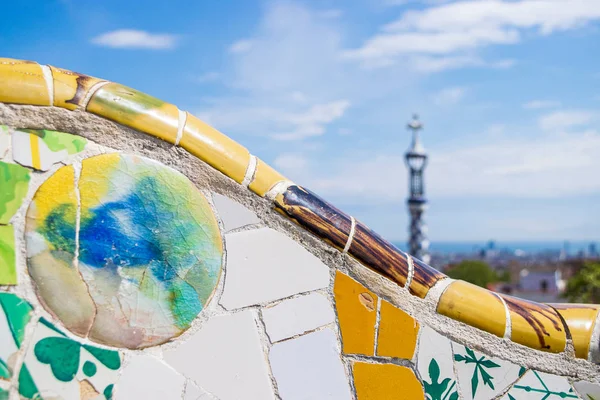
(416, 160)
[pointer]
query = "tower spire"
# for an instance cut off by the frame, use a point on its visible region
(416, 160)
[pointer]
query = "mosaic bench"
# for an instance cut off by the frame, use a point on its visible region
(145, 255)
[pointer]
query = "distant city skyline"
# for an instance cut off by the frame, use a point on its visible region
(322, 91)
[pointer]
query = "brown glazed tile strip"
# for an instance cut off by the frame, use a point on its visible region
(538, 326)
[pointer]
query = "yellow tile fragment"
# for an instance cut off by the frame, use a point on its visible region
(474, 306)
(70, 88)
(136, 110)
(215, 148)
(580, 318)
(265, 178)
(356, 308)
(397, 333)
(22, 82)
(386, 381)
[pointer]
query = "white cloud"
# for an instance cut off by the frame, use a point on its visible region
(135, 39)
(457, 29)
(449, 96)
(566, 119)
(241, 46)
(539, 104)
(290, 161)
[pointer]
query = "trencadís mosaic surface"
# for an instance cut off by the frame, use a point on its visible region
(170, 263)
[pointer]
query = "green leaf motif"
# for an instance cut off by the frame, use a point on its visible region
(109, 358)
(481, 366)
(436, 390)
(62, 354)
(18, 314)
(27, 387)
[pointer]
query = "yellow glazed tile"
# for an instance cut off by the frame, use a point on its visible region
(474, 306)
(265, 178)
(136, 110)
(580, 318)
(70, 88)
(215, 148)
(397, 333)
(386, 381)
(23, 82)
(535, 325)
(357, 311)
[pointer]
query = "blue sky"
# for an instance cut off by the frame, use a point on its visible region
(322, 90)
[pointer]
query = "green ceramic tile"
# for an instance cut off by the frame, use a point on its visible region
(8, 270)
(14, 180)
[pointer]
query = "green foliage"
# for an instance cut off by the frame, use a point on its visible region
(474, 271)
(584, 286)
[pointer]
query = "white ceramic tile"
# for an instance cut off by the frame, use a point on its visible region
(193, 392)
(50, 362)
(535, 385)
(264, 265)
(295, 316)
(309, 367)
(226, 358)
(4, 140)
(435, 364)
(22, 153)
(146, 377)
(588, 390)
(233, 214)
(481, 377)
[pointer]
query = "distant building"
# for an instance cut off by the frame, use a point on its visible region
(416, 160)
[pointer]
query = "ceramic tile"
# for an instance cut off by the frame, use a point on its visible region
(8, 267)
(535, 385)
(265, 178)
(357, 312)
(535, 325)
(435, 365)
(23, 82)
(214, 148)
(150, 250)
(71, 88)
(233, 214)
(474, 306)
(481, 377)
(40, 149)
(146, 377)
(15, 315)
(228, 359)
(587, 390)
(424, 278)
(14, 180)
(136, 110)
(56, 365)
(397, 333)
(264, 265)
(310, 367)
(4, 140)
(193, 392)
(580, 319)
(385, 381)
(298, 315)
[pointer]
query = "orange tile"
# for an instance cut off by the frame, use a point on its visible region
(386, 382)
(70, 88)
(580, 318)
(397, 333)
(474, 306)
(23, 82)
(357, 311)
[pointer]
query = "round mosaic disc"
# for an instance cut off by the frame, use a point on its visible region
(127, 255)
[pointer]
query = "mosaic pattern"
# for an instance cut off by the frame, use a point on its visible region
(146, 259)
(8, 267)
(14, 181)
(16, 314)
(41, 149)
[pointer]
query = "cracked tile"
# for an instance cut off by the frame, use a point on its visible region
(226, 358)
(535, 385)
(435, 365)
(15, 314)
(587, 390)
(40, 149)
(4, 140)
(14, 180)
(264, 265)
(193, 392)
(233, 214)
(146, 377)
(8, 267)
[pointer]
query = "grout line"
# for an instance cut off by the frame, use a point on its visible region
(411, 271)
(508, 328)
(266, 348)
(277, 189)
(377, 321)
(250, 171)
(91, 92)
(594, 351)
(180, 125)
(49, 82)
(351, 235)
